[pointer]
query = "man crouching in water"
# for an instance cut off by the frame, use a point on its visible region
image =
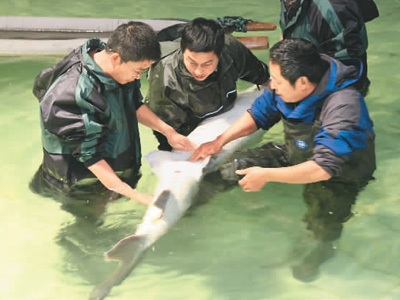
(329, 141)
(90, 106)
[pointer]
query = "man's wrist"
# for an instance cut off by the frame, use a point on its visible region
(123, 189)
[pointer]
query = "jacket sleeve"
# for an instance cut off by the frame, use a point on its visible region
(249, 67)
(75, 113)
(158, 98)
(354, 31)
(137, 94)
(340, 33)
(345, 127)
(264, 110)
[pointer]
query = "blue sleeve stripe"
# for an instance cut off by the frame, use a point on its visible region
(263, 110)
(345, 143)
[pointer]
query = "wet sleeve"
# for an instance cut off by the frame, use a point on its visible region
(249, 67)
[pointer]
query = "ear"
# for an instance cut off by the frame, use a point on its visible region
(115, 59)
(303, 82)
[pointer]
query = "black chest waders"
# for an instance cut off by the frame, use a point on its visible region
(299, 139)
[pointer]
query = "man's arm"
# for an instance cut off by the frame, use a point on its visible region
(243, 126)
(169, 108)
(111, 181)
(146, 117)
(256, 177)
(249, 67)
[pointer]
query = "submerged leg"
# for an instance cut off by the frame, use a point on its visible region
(308, 269)
(270, 155)
(329, 205)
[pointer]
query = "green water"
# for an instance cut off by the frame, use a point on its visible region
(237, 246)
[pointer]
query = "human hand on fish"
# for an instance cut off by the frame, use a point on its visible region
(207, 149)
(180, 142)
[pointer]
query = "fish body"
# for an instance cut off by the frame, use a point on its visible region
(178, 183)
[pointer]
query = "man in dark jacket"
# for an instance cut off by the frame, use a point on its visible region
(329, 141)
(199, 79)
(89, 120)
(336, 28)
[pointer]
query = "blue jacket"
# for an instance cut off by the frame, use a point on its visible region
(345, 126)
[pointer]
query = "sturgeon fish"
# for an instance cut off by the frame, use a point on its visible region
(178, 182)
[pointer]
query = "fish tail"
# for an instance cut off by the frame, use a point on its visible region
(129, 251)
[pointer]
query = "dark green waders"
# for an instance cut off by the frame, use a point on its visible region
(87, 199)
(329, 202)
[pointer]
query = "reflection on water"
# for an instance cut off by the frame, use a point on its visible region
(237, 245)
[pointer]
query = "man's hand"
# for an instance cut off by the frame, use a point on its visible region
(254, 179)
(307, 172)
(148, 118)
(180, 142)
(127, 191)
(206, 149)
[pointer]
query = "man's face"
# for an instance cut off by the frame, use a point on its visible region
(283, 88)
(200, 64)
(129, 71)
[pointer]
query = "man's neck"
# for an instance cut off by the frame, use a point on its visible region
(101, 58)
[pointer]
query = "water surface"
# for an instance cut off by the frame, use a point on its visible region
(237, 246)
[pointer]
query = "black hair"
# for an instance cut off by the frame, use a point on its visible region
(296, 58)
(203, 35)
(134, 41)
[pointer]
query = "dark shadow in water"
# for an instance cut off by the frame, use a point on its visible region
(84, 244)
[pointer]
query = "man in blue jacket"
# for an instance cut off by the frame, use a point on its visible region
(329, 141)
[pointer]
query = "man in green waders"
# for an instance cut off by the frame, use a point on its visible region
(198, 80)
(329, 141)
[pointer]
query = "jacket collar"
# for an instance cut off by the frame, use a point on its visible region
(337, 77)
(106, 80)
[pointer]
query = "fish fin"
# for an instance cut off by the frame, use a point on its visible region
(129, 251)
(157, 212)
(126, 248)
(162, 200)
